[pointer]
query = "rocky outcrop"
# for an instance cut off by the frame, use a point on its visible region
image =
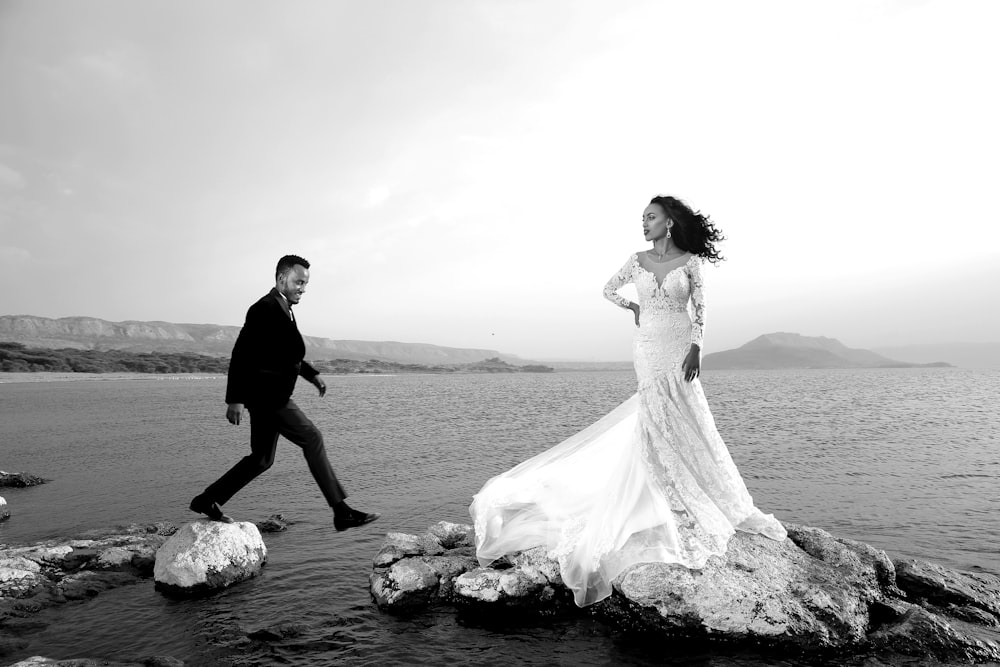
(155, 661)
(57, 571)
(812, 593)
(52, 572)
(19, 480)
(205, 556)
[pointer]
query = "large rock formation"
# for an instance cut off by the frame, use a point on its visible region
(19, 479)
(205, 556)
(813, 593)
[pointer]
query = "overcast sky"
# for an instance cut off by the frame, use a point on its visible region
(471, 172)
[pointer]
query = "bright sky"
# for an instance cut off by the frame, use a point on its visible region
(471, 172)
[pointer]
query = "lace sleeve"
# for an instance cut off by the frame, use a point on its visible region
(697, 301)
(620, 279)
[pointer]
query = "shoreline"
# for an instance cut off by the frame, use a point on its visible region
(68, 376)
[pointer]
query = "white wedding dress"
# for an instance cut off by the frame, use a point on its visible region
(652, 481)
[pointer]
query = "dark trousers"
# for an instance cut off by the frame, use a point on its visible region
(265, 427)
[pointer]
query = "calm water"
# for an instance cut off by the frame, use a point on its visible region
(905, 459)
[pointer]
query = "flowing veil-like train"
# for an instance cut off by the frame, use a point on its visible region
(651, 481)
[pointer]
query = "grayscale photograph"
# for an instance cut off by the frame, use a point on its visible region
(499, 332)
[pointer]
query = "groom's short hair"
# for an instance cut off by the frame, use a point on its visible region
(286, 263)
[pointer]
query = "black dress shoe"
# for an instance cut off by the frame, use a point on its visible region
(203, 505)
(353, 519)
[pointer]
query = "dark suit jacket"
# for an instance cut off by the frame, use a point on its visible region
(267, 357)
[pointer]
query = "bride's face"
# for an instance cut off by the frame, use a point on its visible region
(655, 223)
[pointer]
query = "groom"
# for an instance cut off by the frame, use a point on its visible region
(266, 361)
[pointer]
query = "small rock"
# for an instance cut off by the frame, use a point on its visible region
(277, 632)
(923, 580)
(48, 555)
(19, 480)
(81, 544)
(453, 535)
(114, 557)
(87, 584)
(408, 584)
(204, 556)
(510, 587)
(397, 546)
(920, 632)
(273, 524)
(4, 511)
(162, 661)
(448, 567)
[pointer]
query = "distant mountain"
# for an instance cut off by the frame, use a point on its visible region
(790, 350)
(89, 333)
(966, 355)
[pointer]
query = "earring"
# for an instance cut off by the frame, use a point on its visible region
(668, 234)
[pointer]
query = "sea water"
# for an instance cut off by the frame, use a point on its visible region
(904, 459)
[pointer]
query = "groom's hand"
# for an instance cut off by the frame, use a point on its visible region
(318, 381)
(233, 413)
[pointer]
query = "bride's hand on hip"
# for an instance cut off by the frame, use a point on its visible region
(692, 364)
(634, 307)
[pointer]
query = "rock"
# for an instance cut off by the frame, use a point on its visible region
(52, 572)
(511, 587)
(154, 661)
(812, 594)
(19, 479)
(400, 545)
(850, 556)
(448, 567)
(273, 524)
(411, 571)
(761, 591)
(919, 632)
(87, 584)
(18, 576)
(453, 535)
(277, 632)
(4, 511)
(205, 556)
(406, 585)
(932, 583)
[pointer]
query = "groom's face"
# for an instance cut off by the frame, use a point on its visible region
(292, 284)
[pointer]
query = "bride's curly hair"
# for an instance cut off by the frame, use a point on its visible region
(692, 231)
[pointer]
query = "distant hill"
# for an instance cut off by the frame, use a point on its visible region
(790, 350)
(966, 355)
(90, 333)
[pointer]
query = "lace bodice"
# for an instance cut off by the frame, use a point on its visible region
(659, 302)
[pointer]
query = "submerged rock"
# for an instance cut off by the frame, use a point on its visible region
(812, 593)
(19, 479)
(204, 556)
(54, 572)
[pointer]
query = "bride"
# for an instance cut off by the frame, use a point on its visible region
(652, 481)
